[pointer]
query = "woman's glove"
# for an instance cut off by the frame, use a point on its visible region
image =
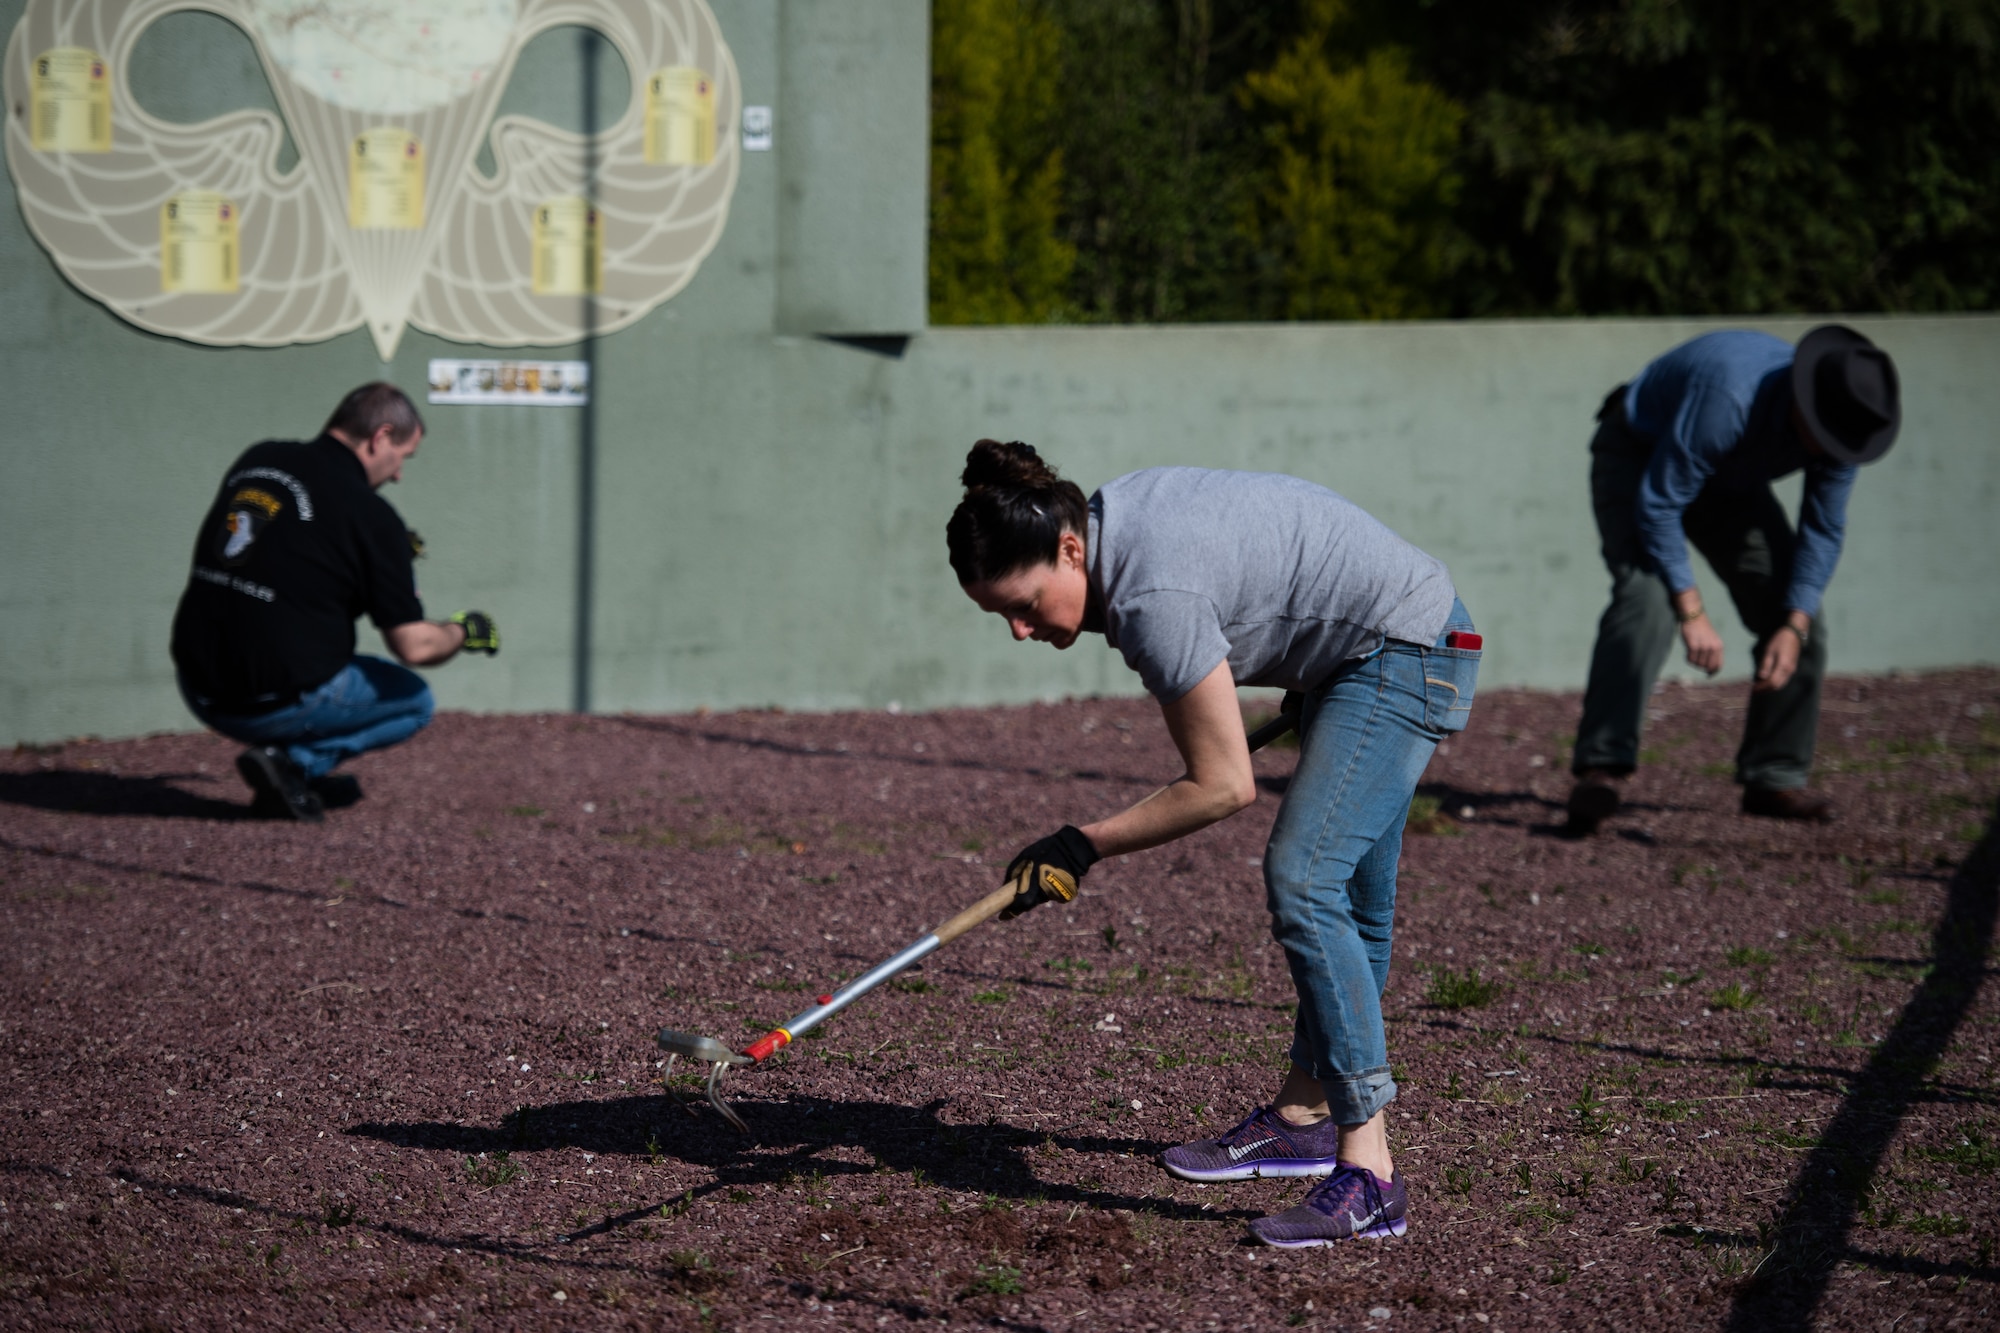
(1051, 867)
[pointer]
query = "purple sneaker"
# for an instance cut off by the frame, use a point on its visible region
(1351, 1203)
(1265, 1144)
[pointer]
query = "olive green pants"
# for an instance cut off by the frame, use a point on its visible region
(1746, 537)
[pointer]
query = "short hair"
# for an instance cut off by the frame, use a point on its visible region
(372, 406)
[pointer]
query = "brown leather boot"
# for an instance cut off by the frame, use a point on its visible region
(1592, 800)
(1789, 803)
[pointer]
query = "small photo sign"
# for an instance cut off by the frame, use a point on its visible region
(516, 383)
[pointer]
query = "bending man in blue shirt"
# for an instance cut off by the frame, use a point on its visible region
(1688, 451)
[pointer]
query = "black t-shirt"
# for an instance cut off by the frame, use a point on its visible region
(295, 547)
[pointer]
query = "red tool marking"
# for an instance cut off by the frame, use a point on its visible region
(768, 1045)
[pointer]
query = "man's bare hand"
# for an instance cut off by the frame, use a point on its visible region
(1780, 657)
(1704, 645)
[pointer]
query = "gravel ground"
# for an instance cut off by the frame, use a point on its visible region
(398, 1071)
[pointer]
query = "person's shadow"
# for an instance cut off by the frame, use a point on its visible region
(80, 791)
(992, 1160)
(84, 792)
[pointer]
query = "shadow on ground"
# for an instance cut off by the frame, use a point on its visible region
(83, 792)
(991, 1160)
(1811, 1238)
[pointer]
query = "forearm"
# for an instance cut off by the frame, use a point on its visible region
(1207, 727)
(425, 642)
(1174, 811)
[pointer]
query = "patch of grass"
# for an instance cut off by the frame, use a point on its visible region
(1746, 956)
(912, 986)
(1665, 1108)
(1937, 1224)
(67, 893)
(1448, 989)
(780, 984)
(1883, 898)
(1733, 997)
(1066, 964)
(1588, 1108)
(1460, 1179)
(1588, 949)
(526, 811)
(1635, 1170)
(994, 996)
(1428, 819)
(334, 1213)
(996, 1280)
(491, 1172)
(1975, 1154)
(1543, 1212)
(1110, 936)
(693, 1271)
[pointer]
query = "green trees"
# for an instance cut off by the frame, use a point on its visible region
(996, 168)
(1238, 159)
(1357, 195)
(1701, 157)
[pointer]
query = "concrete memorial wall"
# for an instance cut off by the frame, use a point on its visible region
(772, 452)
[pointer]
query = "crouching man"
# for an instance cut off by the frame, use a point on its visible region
(297, 544)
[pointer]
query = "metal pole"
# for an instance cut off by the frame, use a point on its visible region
(586, 469)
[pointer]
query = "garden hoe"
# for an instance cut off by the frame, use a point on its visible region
(720, 1058)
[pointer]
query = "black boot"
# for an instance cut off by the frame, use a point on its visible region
(1789, 803)
(280, 785)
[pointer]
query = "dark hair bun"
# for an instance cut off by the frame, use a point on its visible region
(991, 463)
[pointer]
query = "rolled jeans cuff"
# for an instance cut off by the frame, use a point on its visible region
(1351, 1099)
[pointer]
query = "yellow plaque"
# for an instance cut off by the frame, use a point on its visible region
(385, 181)
(569, 248)
(680, 117)
(70, 92)
(198, 243)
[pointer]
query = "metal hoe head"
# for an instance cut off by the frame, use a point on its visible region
(719, 1057)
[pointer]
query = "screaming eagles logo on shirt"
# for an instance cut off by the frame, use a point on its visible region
(246, 515)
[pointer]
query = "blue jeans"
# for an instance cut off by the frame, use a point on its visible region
(368, 704)
(1330, 868)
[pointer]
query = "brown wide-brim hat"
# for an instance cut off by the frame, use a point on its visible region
(1847, 393)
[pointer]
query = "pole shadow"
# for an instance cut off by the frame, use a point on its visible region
(1811, 1237)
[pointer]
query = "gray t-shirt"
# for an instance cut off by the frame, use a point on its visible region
(1283, 578)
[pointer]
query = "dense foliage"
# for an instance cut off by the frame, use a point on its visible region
(1147, 160)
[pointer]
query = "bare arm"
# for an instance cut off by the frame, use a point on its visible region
(1704, 645)
(424, 642)
(1207, 726)
(1780, 658)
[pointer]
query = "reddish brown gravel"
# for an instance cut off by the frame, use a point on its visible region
(398, 1071)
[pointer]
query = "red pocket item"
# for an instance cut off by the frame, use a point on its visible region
(1460, 639)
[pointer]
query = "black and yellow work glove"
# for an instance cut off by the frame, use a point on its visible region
(481, 634)
(417, 547)
(1048, 870)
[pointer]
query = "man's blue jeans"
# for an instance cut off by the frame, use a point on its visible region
(368, 704)
(1330, 868)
